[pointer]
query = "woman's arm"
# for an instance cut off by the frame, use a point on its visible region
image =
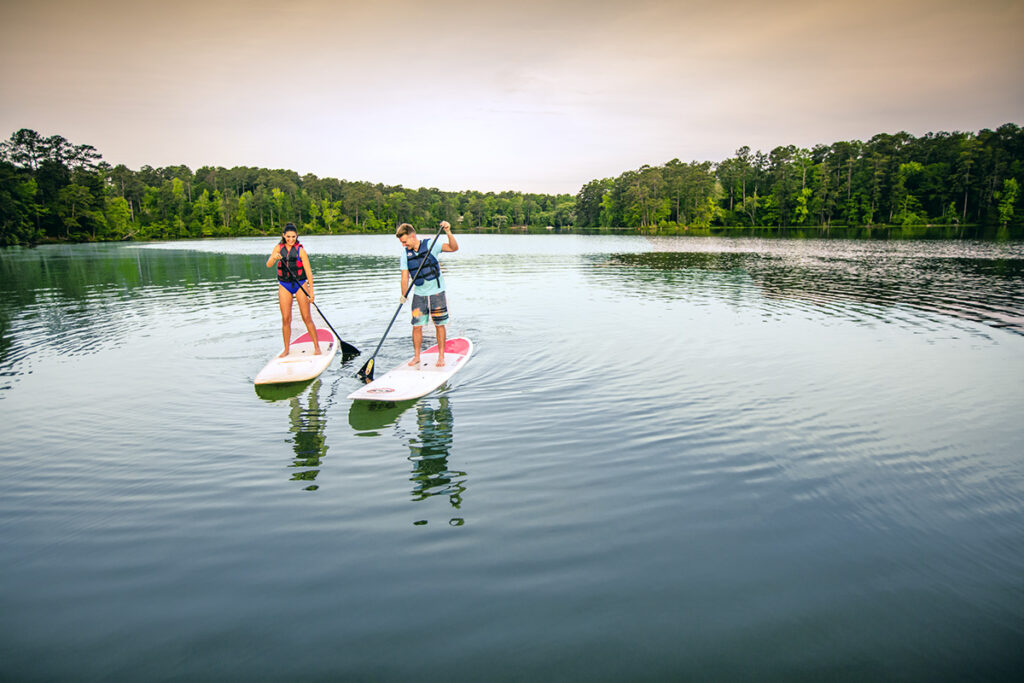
(275, 256)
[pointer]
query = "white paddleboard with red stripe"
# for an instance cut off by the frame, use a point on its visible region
(407, 382)
(301, 364)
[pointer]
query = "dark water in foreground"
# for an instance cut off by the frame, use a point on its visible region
(672, 458)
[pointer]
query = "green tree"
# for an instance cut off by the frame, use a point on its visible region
(800, 210)
(203, 216)
(967, 158)
(243, 224)
(1008, 200)
(908, 209)
(117, 215)
(18, 209)
(330, 212)
(77, 210)
(25, 148)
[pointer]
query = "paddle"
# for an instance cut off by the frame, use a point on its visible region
(366, 372)
(346, 348)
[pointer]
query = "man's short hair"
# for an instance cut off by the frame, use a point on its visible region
(405, 229)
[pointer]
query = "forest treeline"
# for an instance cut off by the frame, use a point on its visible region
(52, 189)
(940, 178)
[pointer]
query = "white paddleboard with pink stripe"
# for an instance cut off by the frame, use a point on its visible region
(301, 364)
(407, 382)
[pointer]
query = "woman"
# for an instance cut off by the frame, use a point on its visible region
(294, 275)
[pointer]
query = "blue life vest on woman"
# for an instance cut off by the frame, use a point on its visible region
(431, 268)
(289, 268)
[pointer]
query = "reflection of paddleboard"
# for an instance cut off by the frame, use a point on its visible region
(370, 416)
(300, 364)
(281, 392)
(407, 382)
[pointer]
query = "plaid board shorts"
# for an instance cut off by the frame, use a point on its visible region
(436, 305)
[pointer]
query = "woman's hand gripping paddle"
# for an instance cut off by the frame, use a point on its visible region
(366, 372)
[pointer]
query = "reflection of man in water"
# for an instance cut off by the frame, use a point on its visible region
(309, 441)
(429, 454)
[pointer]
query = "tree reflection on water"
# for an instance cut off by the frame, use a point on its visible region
(949, 280)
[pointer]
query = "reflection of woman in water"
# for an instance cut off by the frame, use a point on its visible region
(310, 445)
(429, 454)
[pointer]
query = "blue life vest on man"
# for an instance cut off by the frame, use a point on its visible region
(289, 268)
(431, 269)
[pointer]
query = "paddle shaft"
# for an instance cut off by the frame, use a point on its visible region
(412, 283)
(346, 348)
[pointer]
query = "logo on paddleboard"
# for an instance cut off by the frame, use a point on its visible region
(380, 390)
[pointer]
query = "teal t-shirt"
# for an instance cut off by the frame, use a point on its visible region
(429, 286)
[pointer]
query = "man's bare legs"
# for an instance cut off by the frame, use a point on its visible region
(417, 342)
(442, 334)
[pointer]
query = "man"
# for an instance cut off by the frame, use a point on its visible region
(428, 298)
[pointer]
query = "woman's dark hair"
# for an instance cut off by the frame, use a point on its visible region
(288, 227)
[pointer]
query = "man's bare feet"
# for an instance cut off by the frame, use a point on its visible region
(414, 362)
(440, 360)
(285, 353)
(316, 351)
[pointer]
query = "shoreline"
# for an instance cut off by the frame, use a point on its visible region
(927, 232)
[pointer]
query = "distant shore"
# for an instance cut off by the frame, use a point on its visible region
(53, 190)
(875, 232)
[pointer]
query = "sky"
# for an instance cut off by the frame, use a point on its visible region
(532, 96)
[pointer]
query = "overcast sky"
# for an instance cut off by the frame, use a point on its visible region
(530, 96)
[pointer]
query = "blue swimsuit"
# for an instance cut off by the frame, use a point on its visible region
(292, 287)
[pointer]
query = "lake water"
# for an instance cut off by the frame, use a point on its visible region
(669, 459)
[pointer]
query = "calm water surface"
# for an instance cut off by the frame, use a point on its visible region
(676, 458)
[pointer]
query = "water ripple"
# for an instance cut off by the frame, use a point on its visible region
(709, 445)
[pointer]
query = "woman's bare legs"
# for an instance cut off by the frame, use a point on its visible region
(308, 319)
(284, 298)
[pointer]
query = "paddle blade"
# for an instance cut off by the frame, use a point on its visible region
(366, 372)
(347, 349)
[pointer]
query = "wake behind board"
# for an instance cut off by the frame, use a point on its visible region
(407, 382)
(301, 364)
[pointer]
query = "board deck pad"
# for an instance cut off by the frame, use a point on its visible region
(301, 364)
(405, 382)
